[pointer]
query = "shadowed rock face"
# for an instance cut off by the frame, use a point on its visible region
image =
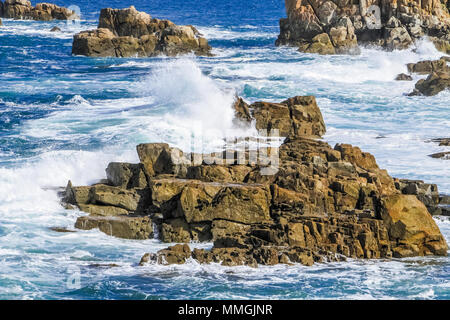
(337, 26)
(22, 9)
(320, 204)
(128, 32)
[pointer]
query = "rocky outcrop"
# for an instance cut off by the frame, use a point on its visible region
(317, 204)
(22, 9)
(336, 26)
(441, 155)
(438, 76)
(298, 116)
(427, 193)
(128, 32)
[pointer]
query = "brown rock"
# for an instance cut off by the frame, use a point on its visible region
(441, 155)
(434, 83)
(139, 228)
(428, 66)
(22, 9)
(128, 33)
(403, 77)
(126, 175)
(410, 224)
(347, 23)
(298, 116)
(177, 254)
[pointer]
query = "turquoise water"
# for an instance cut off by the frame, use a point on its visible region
(64, 117)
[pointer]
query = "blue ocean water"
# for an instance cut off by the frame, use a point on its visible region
(64, 117)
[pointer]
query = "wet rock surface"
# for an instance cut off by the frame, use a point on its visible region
(329, 27)
(22, 9)
(129, 33)
(316, 204)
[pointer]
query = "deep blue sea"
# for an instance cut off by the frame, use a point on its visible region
(65, 117)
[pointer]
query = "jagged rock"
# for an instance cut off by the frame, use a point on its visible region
(390, 24)
(22, 9)
(425, 192)
(412, 227)
(320, 44)
(1, 22)
(403, 77)
(321, 204)
(61, 230)
(298, 116)
(139, 228)
(442, 141)
(433, 84)
(128, 32)
(55, 29)
(438, 76)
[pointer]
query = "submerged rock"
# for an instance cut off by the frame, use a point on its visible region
(22, 9)
(295, 117)
(128, 33)
(319, 204)
(328, 27)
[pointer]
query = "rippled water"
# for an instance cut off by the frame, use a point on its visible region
(64, 117)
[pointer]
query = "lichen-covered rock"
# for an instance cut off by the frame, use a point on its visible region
(22, 9)
(390, 24)
(128, 33)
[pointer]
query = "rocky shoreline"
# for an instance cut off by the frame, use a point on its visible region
(22, 9)
(129, 33)
(336, 27)
(302, 202)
